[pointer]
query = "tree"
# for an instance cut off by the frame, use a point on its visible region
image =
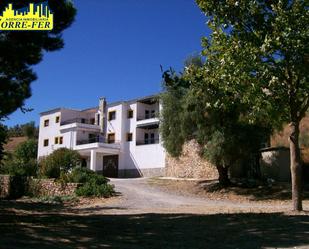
(3, 139)
(22, 161)
(28, 129)
(259, 50)
(19, 51)
(195, 107)
(61, 160)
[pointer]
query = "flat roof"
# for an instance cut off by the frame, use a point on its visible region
(108, 104)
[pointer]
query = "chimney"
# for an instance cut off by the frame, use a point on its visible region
(102, 110)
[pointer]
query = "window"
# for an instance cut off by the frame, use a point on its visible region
(152, 138)
(83, 121)
(129, 137)
(112, 115)
(57, 119)
(153, 114)
(130, 113)
(46, 142)
(58, 140)
(111, 138)
(92, 121)
(146, 138)
(146, 114)
(46, 122)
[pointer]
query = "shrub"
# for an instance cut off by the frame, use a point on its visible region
(61, 160)
(34, 188)
(94, 189)
(92, 183)
(18, 186)
(23, 161)
(27, 150)
(17, 167)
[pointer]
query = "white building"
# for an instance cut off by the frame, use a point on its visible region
(119, 139)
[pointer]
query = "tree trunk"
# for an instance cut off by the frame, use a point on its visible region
(296, 169)
(223, 176)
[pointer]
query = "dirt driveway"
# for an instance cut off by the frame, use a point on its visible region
(146, 217)
(138, 196)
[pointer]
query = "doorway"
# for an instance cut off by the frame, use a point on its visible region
(110, 166)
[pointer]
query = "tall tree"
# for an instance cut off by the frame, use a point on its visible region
(19, 51)
(196, 107)
(261, 53)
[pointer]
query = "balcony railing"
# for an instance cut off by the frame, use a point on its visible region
(96, 140)
(148, 141)
(148, 116)
(78, 120)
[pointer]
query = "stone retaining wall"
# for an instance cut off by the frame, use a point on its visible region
(4, 186)
(13, 187)
(190, 164)
(49, 187)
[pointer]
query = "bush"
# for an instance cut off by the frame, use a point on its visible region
(34, 188)
(17, 167)
(93, 184)
(61, 160)
(23, 161)
(94, 189)
(27, 150)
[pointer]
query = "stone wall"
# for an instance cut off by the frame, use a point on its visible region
(50, 187)
(190, 164)
(4, 186)
(12, 187)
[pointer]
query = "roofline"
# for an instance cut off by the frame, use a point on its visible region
(108, 104)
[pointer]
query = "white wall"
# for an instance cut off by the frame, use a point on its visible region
(52, 131)
(130, 156)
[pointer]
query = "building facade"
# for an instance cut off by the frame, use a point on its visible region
(119, 139)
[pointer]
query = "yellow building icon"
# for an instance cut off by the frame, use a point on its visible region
(35, 17)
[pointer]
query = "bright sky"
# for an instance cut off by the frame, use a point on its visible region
(115, 49)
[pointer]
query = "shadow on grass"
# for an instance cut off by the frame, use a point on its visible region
(257, 192)
(50, 229)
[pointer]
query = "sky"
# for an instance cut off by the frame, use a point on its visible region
(115, 49)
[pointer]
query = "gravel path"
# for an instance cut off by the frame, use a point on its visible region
(137, 196)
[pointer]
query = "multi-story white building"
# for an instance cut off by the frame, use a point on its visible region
(120, 139)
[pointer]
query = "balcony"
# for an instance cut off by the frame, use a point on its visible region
(79, 121)
(150, 115)
(148, 141)
(96, 140)
(98, 144)
(79, 124)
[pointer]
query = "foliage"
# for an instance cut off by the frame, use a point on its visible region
(206, 113)
(92, 183)
(17, 167)
(23, 161)
(33, 188)
(61, 160)
(19, 51)
(94, 188)
(258, 51)
(29, 130)
(18, 186)
(57, 199)
(27, 150)
(3, 139)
